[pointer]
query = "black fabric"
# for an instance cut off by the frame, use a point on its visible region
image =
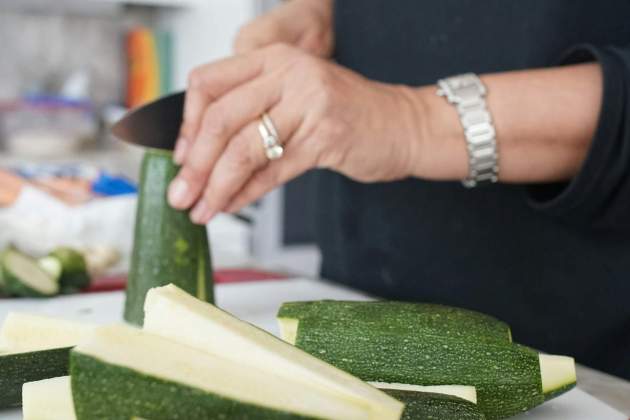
(552, 260)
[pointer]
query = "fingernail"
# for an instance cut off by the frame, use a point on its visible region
(177, 192)
(201, 213)
(180, 150)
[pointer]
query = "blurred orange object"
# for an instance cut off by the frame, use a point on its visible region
(10, 187)
(143, 78)
(72, 191)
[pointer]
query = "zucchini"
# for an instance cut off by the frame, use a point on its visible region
(120, 372)
(48, 399)
(19, 368)
(23, 276)
(174, 314)
(35, 348)
(74, 272)
(509, 378)
(435, 406)
(27, 332)
(394, 317)
(468, 393)
(167, 247)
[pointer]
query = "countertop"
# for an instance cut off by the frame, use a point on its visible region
(257, 302)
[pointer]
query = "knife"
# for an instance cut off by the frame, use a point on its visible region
(156, 125)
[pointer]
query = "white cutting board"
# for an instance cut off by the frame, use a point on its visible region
(258, 303)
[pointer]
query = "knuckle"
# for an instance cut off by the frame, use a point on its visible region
(195, 78)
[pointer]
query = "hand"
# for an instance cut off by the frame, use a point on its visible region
(306, 24)
(326, 116)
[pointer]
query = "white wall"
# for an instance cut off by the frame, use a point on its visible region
(204, 33)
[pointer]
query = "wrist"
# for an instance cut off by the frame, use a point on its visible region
(438, 147)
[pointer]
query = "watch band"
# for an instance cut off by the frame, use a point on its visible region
(467, 93)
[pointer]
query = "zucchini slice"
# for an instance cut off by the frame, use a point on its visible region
(435, 406)
(74, 272)
(167, 247)
(509, 378)
(19, 368)
(120, 372)
(34, 348)
(468, 393)
(48, 399)
(174, 314)
(395, 318)
(28, 332)
(23, 276)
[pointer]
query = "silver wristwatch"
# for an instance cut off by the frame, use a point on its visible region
(467, 92)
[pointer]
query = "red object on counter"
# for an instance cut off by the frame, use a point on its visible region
(119, 282)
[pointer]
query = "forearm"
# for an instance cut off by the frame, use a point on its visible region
(544, 120)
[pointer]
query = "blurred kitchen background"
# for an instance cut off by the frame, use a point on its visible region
(68, 70)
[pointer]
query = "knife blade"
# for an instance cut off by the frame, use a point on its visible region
(154, 125)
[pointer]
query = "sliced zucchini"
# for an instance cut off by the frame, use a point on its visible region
(120, 372)
(174, 314)
(48, 399)
(23, 276)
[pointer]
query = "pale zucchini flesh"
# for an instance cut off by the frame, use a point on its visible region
(468, 393)
(29, 332)
(119, 370)
(172, 313)
(49, 399)
(23, 276)
(557, 373)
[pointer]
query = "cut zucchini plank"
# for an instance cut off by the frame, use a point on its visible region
(468, 393)
(558, 375)
(435, 406)
(508, 377)
(167, 247)
(394, 317)
(19, 368)
(23, 276)
(120, 372)
(174, 314)
(27, 332)
(74, 273)
(49, 399)
(35, 347)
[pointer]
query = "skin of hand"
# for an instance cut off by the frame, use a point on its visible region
(330, 117)
(306, 24)
(326, 116)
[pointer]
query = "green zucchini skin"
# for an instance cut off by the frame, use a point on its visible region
(168, 247)
(403, 317)
(74, 273)
(432, 406)
(18, 368)
(507, 376)
(103, 391)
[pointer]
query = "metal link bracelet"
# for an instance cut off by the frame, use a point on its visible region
(467, 92)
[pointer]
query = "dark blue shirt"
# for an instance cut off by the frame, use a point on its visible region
(551, 260)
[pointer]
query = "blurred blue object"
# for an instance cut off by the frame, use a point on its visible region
(110, 185)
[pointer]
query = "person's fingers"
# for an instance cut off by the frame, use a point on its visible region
(222, 119)
(295, 161)
(205, 84)
(243, 156)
